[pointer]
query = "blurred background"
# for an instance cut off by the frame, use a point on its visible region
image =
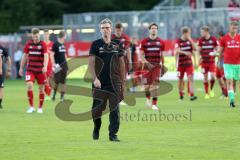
(80, 20)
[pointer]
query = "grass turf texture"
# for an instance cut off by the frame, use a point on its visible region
(212, 133)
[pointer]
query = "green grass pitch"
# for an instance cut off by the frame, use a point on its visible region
(210, 130)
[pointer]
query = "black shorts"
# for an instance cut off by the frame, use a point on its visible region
(60, 77)
(2, 77)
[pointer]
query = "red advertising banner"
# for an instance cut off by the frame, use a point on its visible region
(79, 48)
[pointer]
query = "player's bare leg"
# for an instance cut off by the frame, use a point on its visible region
(54, 92)
(148, 96)
(41, 98)
(154, 90)
(47, 90)
(181, 88)
(230, 87)
(63, 90)
(212, 82)
(234, 86)
(191, 88)
(223, 85)
(30, 97)
(206, 86)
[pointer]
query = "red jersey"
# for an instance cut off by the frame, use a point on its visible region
(184, 60)
(35, 52)
(231, 45)
(49, 49)
(152, 49)
(124, 39)
(207, 46)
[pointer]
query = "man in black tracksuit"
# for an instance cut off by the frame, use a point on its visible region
(106, 64)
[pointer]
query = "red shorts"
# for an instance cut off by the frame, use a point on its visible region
(30, 77)
(182, 70)
(219, 73)
(152, 75)
(208, 68)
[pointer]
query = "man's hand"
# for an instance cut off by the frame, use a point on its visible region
(149, 65)
(44, 70)
(0, 71)
(188, 53)
(21, 72)
(97, 83)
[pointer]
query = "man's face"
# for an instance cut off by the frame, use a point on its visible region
(187, 34)
(64, 37)
(36, 37)
(234, 28)
(46, 36)
(106, 29)
(203, 33)
(153, 30)
(118, 31)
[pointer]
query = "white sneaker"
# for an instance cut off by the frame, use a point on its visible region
(155, 108)
(148, 103)
(31, 110)
(40, 110)
(122, 103)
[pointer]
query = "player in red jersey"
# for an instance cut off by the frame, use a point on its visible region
(230, 48)
(220, 72)
(151, 49)
(49, 73)
(137, 66)
(207, 47)
(36, 57)
(184, 50)
(122, 38)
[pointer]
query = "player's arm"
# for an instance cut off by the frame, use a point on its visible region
(195, 59)
(176, 51)
(129, 57)
(45, 58)
(1, 64)
(52, 53)
(220, 51)
(91, 65)
(45, 62)
(199, 48)
(122, 68)
(23, 63)
(194, 46)
(9, 66)
(8, 62)
(179, 51)
(122, 72)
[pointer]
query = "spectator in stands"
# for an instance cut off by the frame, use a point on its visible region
(193, 4)
(17, 59)
(233, 4)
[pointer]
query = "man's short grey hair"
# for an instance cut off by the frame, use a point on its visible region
(104, 21)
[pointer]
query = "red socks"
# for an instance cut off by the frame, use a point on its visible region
(48, 89)
(30, 97)
(41, 99)
(154, 101)
(206, 87)
(212, 83)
